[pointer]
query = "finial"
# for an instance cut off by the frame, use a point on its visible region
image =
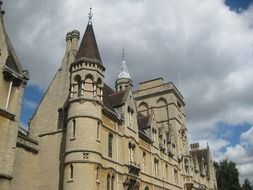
(124, 71)
(90, 16)
(123, 54)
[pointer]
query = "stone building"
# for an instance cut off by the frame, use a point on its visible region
(86, 135)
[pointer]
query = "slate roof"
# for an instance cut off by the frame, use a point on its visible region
(88, 47)
(201, 153)
(143, 121)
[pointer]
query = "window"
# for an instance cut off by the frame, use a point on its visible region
(156, 166)
(110, 145)
(130, 116)
(97, 174)
(98, 130)
(73, 128)
(175, 176)
(108, 182)
(166, 172)
(71, 172)
(131, 147)
(9, 95)
(60, 118)
(94, 90)
(186, 165)
(143, 160)
(79, 85)
(112, 183)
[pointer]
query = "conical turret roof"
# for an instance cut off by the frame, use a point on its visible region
(88, 47)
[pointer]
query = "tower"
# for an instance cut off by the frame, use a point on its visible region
(124, 80)
(84, 114)
(12, 82)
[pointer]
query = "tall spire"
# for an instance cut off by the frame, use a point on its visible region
(88, 47)
(124, 71)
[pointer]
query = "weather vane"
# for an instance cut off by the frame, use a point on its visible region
(90, 16)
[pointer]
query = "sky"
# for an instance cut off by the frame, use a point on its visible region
(207, 44)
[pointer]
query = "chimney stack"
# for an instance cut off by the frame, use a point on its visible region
(2, 11)
(194, 146)
(75, 36)
(68, 41)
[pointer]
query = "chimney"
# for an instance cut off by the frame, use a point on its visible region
(195, 146)
(2, 11)
(75, 35)
(68, 41)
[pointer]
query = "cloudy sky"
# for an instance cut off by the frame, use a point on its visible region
(207, 44)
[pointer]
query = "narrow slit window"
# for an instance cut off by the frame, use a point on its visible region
(71, 172)
(110, 145)
(73, 128)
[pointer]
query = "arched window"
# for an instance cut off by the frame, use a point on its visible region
(79, 85)
(89, 86)
(112, 183)
(146, 188)
(108, 182)
(99, 88)
(163, 109)
(143, 108)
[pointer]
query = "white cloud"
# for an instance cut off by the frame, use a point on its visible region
(242, 154)
(30, 104)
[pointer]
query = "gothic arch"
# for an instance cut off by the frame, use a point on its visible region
(77, 78)
(163, 110)
(146, 188)
(161, 101)
(143, 108)
(99, 82)
(89, 77)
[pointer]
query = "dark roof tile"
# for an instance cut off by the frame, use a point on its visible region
(88, 47)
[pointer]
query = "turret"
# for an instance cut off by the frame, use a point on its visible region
(84, 113)
(124, 80)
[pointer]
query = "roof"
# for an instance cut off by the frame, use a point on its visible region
(143, 121)
(88, 47)
(112, 99)
(124, 73)
(200, 154)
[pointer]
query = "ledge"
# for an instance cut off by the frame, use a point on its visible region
(7, 114)
(4, 176)
(28, 144)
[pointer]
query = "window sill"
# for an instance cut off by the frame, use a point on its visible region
(70, 181)
(7, 114)
(98, 140)
(73, 138)
(97, 181)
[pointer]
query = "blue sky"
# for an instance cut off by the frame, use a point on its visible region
(238, 4)
(205, 42)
